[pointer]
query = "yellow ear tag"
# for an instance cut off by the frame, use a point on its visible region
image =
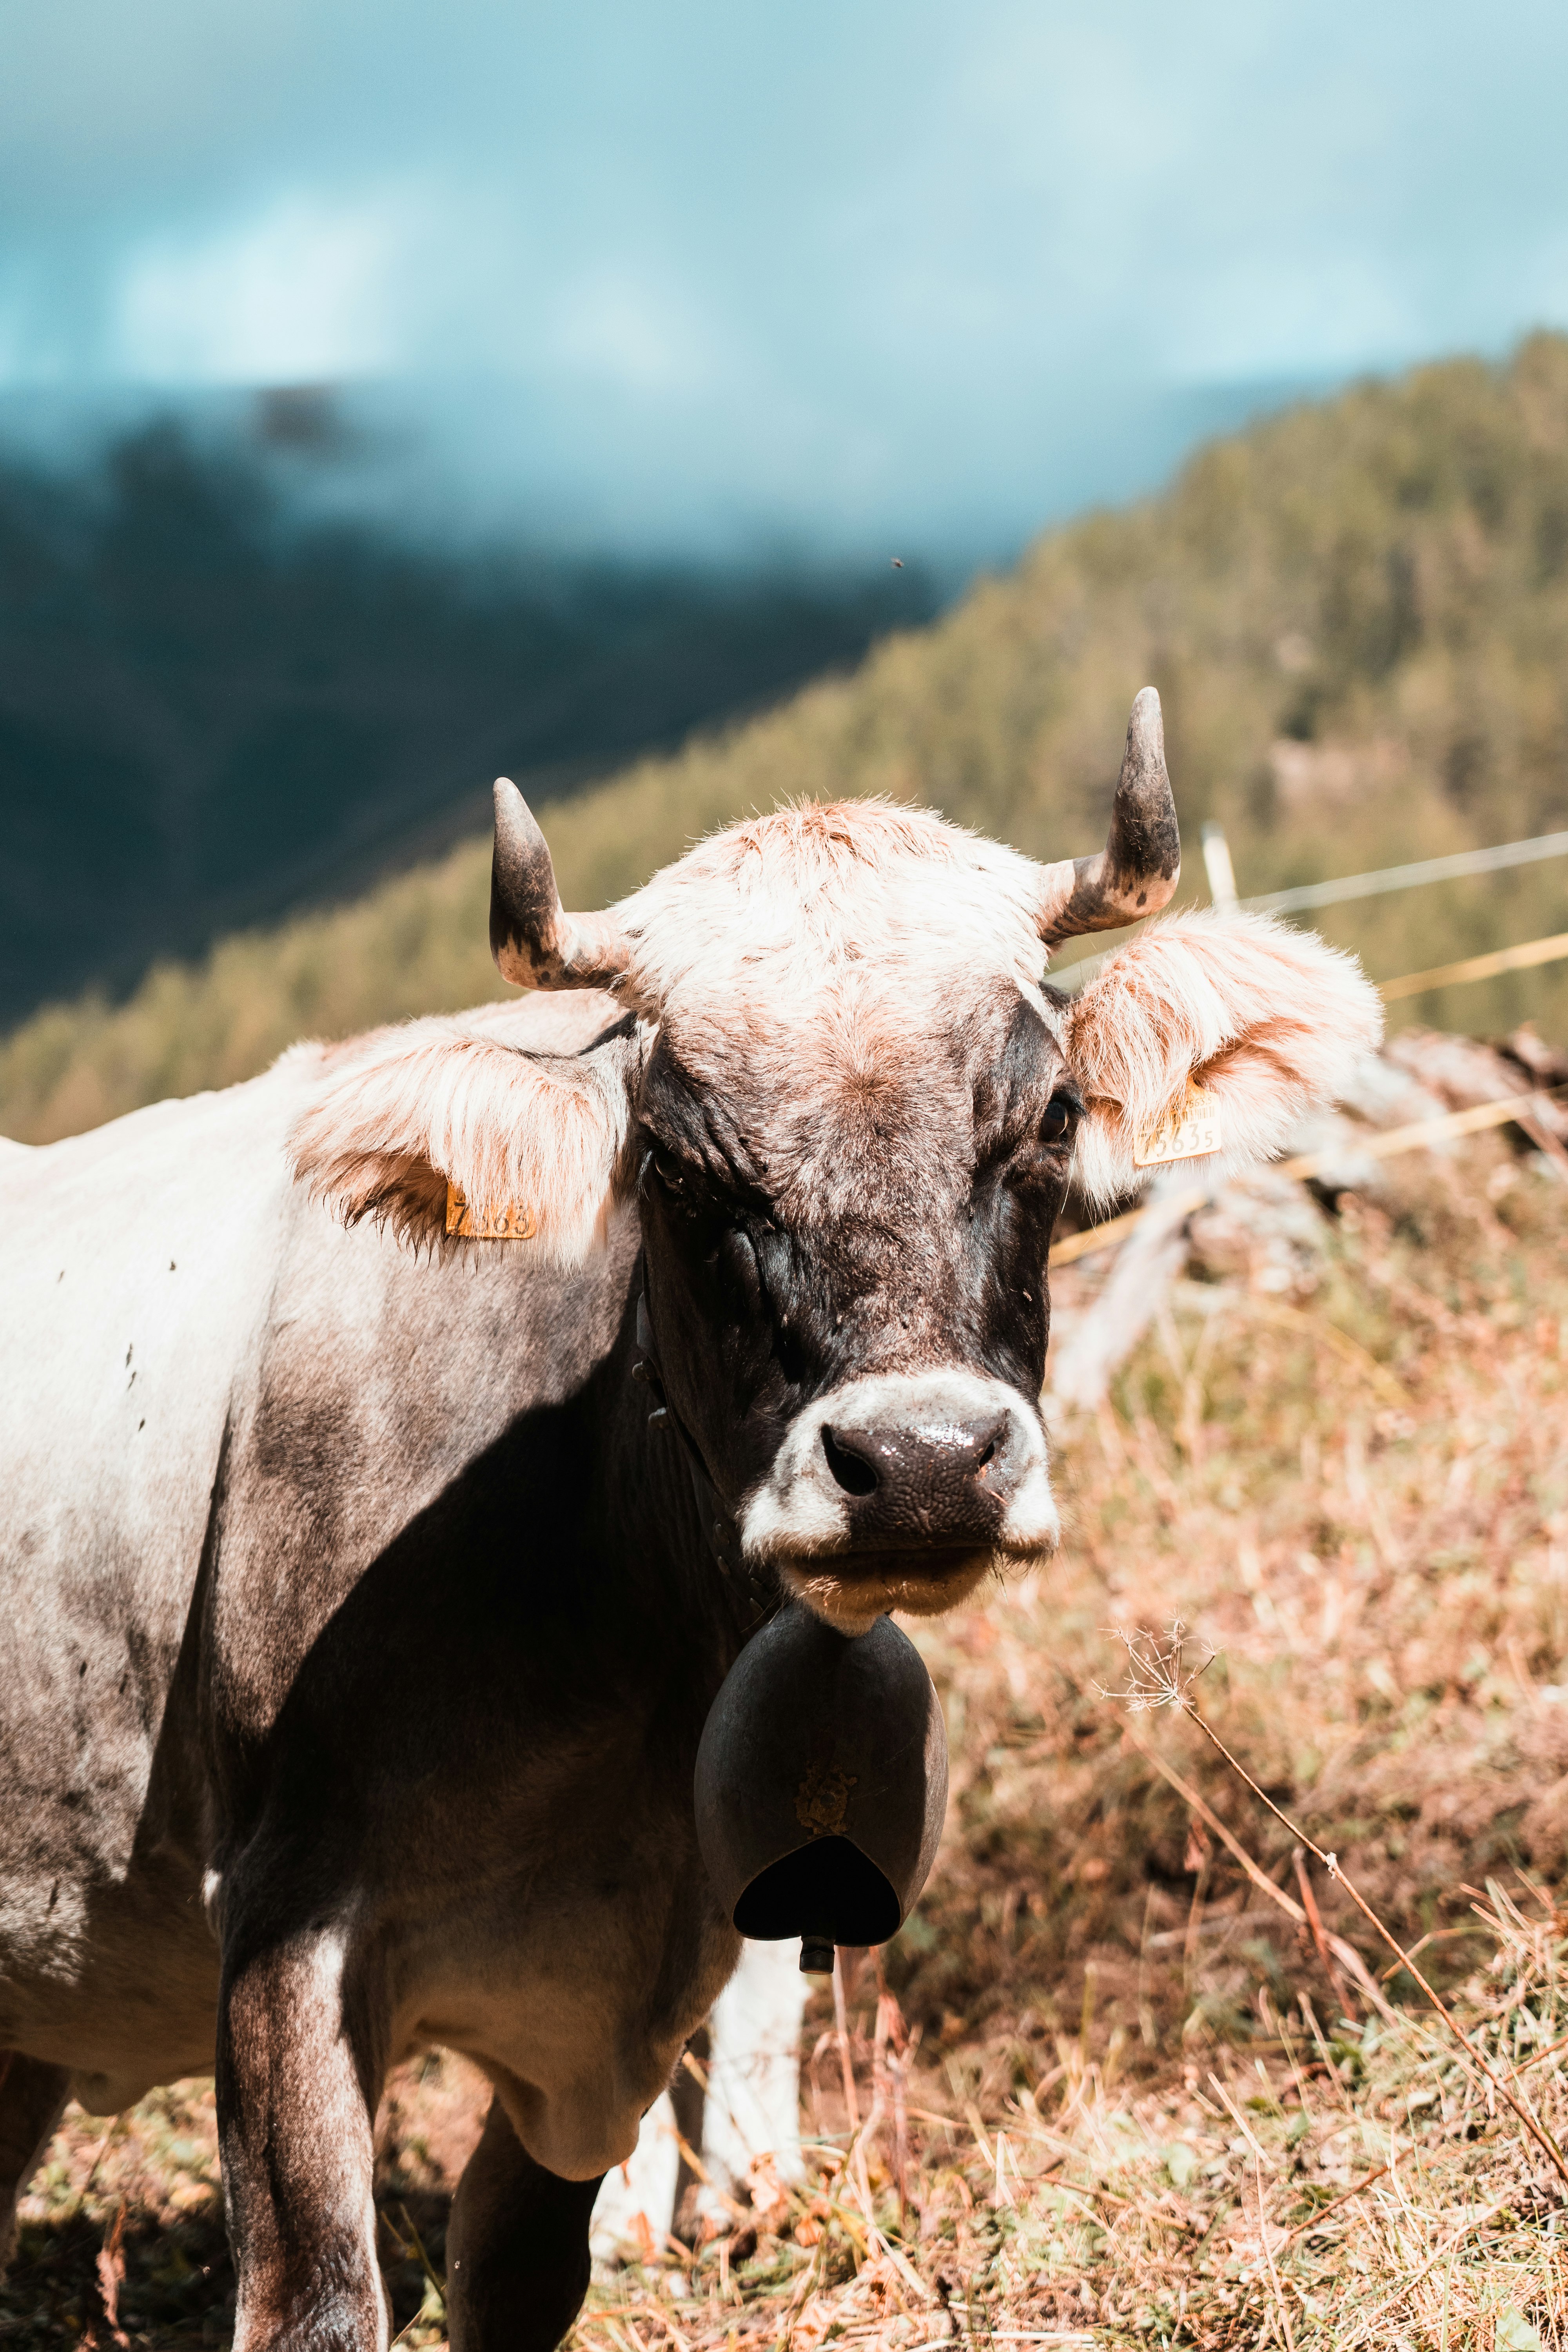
(1189, 1132)
(510, 1223)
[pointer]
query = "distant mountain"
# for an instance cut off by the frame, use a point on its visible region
(1356, 615)
(212, 711)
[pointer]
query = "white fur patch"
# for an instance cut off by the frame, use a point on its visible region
(797, 1518)
(752, 2107)
(642, 2190)
(1267, 1019)
(406, 1111)
(789, 906)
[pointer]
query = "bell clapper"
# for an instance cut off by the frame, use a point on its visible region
(816, 1956)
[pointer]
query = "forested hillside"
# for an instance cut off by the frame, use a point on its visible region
(218, 705)
(1357, 615)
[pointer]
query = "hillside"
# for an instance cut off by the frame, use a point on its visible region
(218, 705)
(1357, 615)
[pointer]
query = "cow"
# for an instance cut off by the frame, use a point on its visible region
(363, 1609)
(738, 2110)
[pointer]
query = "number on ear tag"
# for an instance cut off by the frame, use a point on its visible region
(508, 1223)
(1189, 1132)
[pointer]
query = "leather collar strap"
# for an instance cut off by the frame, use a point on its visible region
(719, 1531)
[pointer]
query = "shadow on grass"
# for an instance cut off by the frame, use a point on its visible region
(177, 2286)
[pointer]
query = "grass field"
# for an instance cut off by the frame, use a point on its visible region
(1108, 2089)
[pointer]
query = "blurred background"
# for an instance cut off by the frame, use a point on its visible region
(684, 406)
(677, 407)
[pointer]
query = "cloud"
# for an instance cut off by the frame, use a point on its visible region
(645, 338)
(901, 253)
(306, 292)
(1268, 316)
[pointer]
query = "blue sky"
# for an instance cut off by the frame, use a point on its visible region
(869, 268)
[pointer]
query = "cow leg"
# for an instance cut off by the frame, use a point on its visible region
(33, 2098)
(517, 2248)
(295, 2112)
(753, 2073)
(644, 2188)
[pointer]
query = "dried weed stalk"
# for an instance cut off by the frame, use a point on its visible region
(1159, 1677)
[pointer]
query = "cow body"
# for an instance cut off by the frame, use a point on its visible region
(307, 1650)
(362, 1629)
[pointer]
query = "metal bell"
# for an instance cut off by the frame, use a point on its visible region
(821, 1784)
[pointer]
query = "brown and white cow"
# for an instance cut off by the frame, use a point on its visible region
(360, 1628)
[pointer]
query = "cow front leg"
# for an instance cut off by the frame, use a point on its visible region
(297, 2084)
(517, 2248)
(33, 2096)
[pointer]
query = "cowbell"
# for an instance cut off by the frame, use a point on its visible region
(821, 1784)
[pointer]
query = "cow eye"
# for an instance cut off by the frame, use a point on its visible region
(668, 1170)
(1059, 1121)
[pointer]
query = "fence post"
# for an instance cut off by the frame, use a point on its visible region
(1219, 867)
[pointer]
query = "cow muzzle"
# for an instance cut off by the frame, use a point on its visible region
(902, 1491)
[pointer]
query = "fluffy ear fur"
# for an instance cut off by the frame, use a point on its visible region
(1269, 1020)
(404, 1109)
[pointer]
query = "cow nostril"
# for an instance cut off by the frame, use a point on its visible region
(988, 1455)
(852, 1470)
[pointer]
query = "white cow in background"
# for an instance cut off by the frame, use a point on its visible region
(751, 2109)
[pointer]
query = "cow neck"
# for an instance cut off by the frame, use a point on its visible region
(719, 1531)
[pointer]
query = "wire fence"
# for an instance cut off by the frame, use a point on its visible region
(1386, 1146)
(1406, 877)
(1221, 876)
(1525, 957)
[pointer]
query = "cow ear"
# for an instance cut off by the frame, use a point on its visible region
(542, 1137)
(1266, 1020)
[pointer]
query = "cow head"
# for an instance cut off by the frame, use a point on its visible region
(848, 1105)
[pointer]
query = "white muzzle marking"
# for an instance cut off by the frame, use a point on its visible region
(801, 1521)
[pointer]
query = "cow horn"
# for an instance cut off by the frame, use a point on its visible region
(533, 941)
(1138, 869)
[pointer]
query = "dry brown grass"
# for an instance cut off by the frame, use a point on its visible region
(1137, 2107)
